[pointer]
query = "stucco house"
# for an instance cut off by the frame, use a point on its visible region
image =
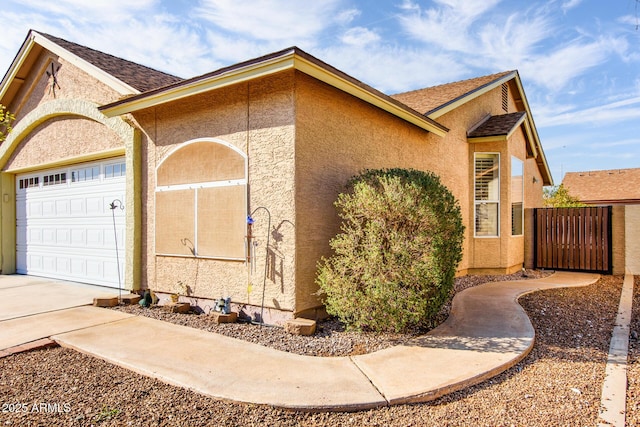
(604, 187)
(124, 176)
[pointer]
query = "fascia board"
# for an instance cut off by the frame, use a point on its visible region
(98, 155)
(106, 78)
(469, 96)
(492, 138)
(533, 133)
(199, 86)
(288, 61)
(15, 66)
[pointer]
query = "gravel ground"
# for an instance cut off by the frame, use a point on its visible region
(331, 339)
(557, 384)
(633, 367)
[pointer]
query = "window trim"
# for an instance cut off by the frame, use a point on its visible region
(202, 185)
(521, 201)
(476, 202)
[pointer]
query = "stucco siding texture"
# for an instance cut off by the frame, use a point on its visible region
(631, 258)
(72, 83)
(337, 137)
(62, 138)
(503, 253)
(257, 118)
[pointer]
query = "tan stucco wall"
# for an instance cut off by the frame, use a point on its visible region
(257, 118)
(631, 239)
(73, 84)
(61, 138)
(337, 136)
(504, 253)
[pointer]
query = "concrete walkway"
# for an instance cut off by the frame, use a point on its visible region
(486, 333)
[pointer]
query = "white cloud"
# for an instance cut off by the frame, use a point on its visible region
(570, 4)
(271, 19)
(359, 36)
(393, 69)
(564, 64)
(80, 11)
(513, 41)
(600, 115)
(447, 26)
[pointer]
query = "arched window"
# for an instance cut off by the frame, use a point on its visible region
(201, 205)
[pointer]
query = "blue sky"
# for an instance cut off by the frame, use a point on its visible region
(579, 60)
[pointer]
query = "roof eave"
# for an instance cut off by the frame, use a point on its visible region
(35, 38)
(15, 66)
(457, 102)
(532, 133)
(106, 78)
(291, 59)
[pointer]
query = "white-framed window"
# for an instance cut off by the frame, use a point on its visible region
(517, 197)
(115, 170)
(201, 201)
(487, 194)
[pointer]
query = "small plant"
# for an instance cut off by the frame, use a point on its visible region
(6, 118)
(106, 414)
(396, 256)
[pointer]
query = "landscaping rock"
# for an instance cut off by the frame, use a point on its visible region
(300, 326)
(105, 302)
(219, 317)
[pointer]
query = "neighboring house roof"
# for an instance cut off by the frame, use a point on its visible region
(431, 99)
(605, 186)
(125, 77)
(503, 125)
(292, 58)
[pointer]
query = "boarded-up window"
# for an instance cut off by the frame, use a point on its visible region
(201, 201)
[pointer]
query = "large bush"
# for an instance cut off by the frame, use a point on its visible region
(395, 259)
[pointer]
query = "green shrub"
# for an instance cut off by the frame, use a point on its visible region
(395, 259)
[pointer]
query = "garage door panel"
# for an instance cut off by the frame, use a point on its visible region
(66, 230)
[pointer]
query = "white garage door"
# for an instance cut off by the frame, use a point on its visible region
(65, 226)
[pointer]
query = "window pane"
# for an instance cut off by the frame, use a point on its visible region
(487, 185)
(487, 219)
(516, 219)
(516, 180)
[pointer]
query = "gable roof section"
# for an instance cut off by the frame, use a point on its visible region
(497, 127)
(137, 76)
(437, 100)
(605, 186)
(124, 76)
(289, 59)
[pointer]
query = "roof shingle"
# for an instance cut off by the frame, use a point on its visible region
(135, 75)
(497, 125)
(428, 99)
(605, 186)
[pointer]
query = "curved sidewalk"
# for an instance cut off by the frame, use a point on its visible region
(486, 333)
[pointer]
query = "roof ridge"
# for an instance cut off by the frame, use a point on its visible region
(137, 75)
(495, 76)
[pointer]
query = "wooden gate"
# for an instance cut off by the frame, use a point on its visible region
(577, 239)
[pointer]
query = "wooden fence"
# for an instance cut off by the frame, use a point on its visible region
(577, 239)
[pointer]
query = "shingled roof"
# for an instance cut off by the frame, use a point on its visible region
(501, 125)
(616, 186)
(135, 75)
(429, 99)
